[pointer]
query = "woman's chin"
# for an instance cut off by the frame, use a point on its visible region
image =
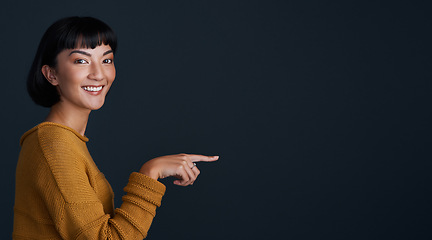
(96, 106)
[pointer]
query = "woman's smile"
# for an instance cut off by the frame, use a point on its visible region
(93, 90)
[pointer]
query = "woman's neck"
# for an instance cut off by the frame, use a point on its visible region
(68, 116)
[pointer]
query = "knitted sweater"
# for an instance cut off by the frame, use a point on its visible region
(61, 194)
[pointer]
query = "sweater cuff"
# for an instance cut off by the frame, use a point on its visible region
(145, 187)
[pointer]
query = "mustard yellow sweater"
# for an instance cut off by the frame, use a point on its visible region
(61, 194)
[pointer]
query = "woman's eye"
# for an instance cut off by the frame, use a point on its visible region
(108, 61)
(80, 61)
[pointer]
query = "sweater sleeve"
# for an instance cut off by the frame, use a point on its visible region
(75, 207)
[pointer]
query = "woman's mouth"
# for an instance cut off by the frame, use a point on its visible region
(94, 90)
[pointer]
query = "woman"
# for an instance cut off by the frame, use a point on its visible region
(60, 193)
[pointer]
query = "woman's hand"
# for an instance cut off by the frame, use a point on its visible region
(181, 166)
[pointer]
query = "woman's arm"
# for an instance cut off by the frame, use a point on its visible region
(76, 208)
(78, 212)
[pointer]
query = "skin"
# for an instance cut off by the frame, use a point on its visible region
(79, 69)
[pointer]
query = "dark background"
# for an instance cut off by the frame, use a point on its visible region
(320, 111)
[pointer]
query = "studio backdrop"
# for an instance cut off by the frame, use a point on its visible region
(320, 112)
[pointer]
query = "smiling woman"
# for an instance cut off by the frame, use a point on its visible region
(82, 77)
(60, 193)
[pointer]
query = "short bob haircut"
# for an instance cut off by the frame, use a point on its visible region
(66, 33)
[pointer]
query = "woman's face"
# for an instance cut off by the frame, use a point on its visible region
(83, 76)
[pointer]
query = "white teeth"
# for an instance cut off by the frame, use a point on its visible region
(93, 89)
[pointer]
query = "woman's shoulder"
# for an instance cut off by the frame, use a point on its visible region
(59, 145)
(53, 132)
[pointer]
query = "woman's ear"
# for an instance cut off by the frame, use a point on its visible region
(49, 74)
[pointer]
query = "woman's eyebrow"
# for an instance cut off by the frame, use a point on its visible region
(81, 52)
(107, 52)
(88, 54)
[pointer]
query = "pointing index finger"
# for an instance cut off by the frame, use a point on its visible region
(202, 158)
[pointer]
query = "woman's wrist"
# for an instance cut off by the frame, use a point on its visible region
(149, 172)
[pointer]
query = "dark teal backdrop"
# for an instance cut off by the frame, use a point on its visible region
(320, 111)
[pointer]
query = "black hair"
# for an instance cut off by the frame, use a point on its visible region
(66, 33)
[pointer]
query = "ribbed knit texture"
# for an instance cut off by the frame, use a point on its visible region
(61, 194)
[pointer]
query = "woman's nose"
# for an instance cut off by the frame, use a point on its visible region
(96, 72)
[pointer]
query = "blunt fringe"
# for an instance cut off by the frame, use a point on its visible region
(66, 33)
